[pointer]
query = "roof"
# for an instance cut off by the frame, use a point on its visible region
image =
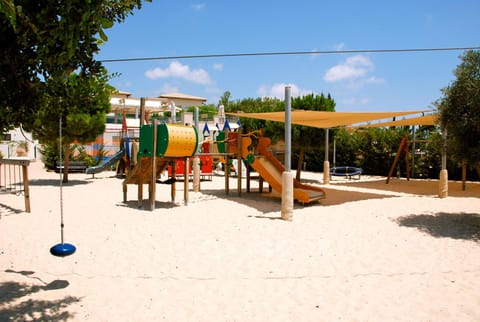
(132, 105)
(182, 96)
(131, 123)
(325, 120)
(121, 94)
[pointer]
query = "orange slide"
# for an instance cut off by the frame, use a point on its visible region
(271, 169)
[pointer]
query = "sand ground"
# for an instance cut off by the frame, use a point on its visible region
(368, 252)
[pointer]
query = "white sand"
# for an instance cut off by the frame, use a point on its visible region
(369, 252)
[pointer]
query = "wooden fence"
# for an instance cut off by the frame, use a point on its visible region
(14, 178)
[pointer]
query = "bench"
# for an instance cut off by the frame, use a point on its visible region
(346, 171)
(73, 166)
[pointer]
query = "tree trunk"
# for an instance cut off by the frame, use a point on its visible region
(464, 175)
(300, 162)
(477, 167)
(66, 161)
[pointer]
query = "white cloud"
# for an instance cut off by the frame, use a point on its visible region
(168, 88)
(127, 84)
(213, 90)
(355, 70)
(352, 68)
(278, 90)
(354, 101)
(374, 80)
(359, 83)
(178, 70)
(198, 6)
(218, 67)
(339, 46)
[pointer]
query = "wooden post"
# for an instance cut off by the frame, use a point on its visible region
(26, 190)
(174, 175)
(239, 161)
(140, 187)
(407, 161)
(227, 174)
(153, 182)
(399, 151)
(248, 178)
(185, 182)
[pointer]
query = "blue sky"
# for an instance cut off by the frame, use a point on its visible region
(357, 82)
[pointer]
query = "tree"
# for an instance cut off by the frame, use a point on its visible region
(82, 101)
(225, 100)
(460, 111)
(259, 105)
(310, 137)
(206, 112)
(44, 40)
(303, 137)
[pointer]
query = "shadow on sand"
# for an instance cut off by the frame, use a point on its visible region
(263, 202)
(450, 225)
(266, 201)
(6, 210)
(146, 205)
(33, 310)
(56, 182)
(338, 197)
(421, 187)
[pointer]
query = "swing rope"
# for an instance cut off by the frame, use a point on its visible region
(62, 249)
(61, 176)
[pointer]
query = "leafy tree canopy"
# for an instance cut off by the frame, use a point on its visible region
(205, 111)
(45, 40)
(82, 101)
(225, 99)
(460, 109)
(303, 137)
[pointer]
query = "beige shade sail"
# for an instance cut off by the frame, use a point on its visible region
(325, 120)
(420, 120)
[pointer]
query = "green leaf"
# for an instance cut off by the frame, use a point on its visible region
(103, 36)
(107, 23)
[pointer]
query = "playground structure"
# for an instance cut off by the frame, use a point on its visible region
(106, 164)
(161, 144)
(348, 172)
(14, 178)
(402, 147)
(172, 146)
(206, 167)
(270, 169)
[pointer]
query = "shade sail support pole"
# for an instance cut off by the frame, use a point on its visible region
(287, 176)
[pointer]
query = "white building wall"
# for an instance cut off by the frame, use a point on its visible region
(9, 148)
